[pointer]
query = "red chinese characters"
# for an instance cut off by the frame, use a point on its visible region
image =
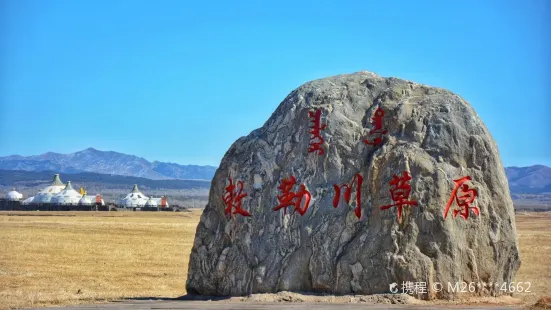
(378, 131)
(463, 197)
(232, 199)
(289, 198)
(358, 179)
(316, 140)
(400, 190)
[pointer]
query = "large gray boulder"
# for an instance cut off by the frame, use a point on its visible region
(432, 135)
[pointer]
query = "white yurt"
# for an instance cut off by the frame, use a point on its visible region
(151, 202)
(68, 196)
(46, 194)
(85, 201)
(14, 195)
(134, 199)
(43, 197)
(28, 201)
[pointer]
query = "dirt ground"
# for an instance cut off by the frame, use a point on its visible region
(70, 258)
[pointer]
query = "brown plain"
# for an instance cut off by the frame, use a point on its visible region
(67, 258)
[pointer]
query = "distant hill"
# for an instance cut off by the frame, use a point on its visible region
(106, 162)
(23, 179)
(529, 180)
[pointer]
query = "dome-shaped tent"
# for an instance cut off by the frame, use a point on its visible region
(134, 199)
(14, 195)
(43, 197)
(67, 196)
(46, 194)
(85, 200)
(151, 203)
(28, 201)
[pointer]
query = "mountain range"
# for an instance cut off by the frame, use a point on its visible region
(529, 180)
(24, 179)
(106, 162)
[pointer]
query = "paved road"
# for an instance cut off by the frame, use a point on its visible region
(225, 305)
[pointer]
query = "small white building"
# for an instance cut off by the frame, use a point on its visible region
(134, 199)
(91, 200)
(68, 196)
(14, 195)
(157, 202)
(162, 202)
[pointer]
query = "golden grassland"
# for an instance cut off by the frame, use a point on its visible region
(60, 258)
(56, 258)
(534, 236)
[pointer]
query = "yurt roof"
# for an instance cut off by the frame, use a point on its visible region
(67, 195)
(56, 181)
(13, 191)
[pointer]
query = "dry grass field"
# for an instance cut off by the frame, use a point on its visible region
(56, 258)
(59, 258)
(534, 230)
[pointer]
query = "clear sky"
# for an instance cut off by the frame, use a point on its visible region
(180, 81)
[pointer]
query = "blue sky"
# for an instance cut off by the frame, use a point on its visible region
(180, 81)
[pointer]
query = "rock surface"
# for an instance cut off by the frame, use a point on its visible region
(432, 134)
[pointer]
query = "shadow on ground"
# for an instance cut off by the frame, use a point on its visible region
(185, 297)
